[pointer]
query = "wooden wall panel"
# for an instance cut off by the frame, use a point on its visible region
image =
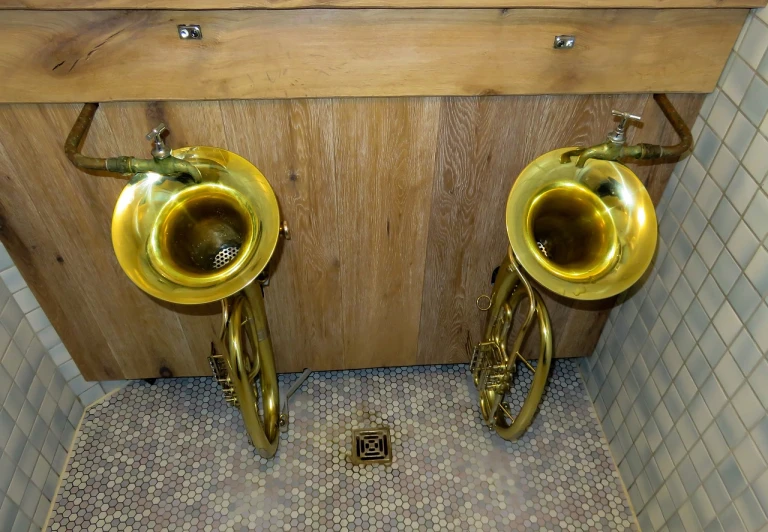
(396, 208)
(77, 211)
(384, 152)
(191, 123)
(484, 144)
(84, 55)
(43, 259)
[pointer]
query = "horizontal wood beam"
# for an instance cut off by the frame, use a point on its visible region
(400, 4)
(76, 56)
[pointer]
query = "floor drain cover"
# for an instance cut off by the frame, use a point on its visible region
(371, 446)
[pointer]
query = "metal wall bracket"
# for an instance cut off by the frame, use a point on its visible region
(190, 32)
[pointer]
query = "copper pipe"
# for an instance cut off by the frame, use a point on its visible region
(170, 166)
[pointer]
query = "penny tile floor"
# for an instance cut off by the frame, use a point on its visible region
(173, 456)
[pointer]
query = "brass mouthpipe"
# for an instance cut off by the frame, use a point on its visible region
(169, 166)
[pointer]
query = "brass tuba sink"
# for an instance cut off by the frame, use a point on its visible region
(196, 225)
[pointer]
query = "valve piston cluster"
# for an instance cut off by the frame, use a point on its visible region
(220, 373)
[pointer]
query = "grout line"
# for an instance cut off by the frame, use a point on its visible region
(700, 433)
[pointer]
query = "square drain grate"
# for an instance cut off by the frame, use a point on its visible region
(371, 446)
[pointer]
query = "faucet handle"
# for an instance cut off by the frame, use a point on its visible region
(159, 149)
(625, 117)
(160, 129)
(619, 136)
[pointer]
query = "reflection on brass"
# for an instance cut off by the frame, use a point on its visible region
(583, 229)
(494, 362)
(596, 224)
(196, 225)
(614, 148)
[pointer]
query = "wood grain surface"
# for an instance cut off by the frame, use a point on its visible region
(293, 4)
(292, 142)
(385, 154)
(396, 207)
(72, 56)
(484, 144)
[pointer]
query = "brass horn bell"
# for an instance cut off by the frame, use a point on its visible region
(583, 226)
(196, 225)
(194, 242)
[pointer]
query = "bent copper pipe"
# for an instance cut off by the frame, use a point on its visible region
(655, 151)
(170, 166)
(612, 151)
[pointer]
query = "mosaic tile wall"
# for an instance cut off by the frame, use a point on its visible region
(87, 391)
(174, 454)
(680, 375)
(40, 409)
(42, 395)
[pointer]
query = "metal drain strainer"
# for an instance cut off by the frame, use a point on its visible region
(542, 248)
(225, 255)
(371, 446)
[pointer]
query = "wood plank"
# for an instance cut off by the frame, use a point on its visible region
(483, 144)
(384, 152)
(292, 143)
(405, 4)
(161, 330)
(584, 328)
(61, 56)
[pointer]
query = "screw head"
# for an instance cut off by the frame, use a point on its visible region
(284, 230)
(190, 32)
